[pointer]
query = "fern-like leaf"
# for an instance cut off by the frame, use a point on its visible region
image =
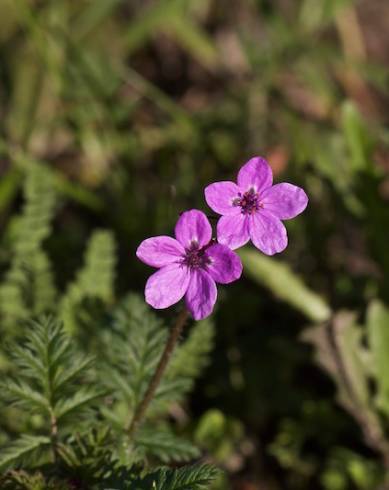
(48, 375)
(22, 450)
(28, 288)
(83, 398)
(192, 356)
(165, 446)
(133, 347)
(195, 477)
(94, 280)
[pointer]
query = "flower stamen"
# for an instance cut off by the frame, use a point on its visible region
(249, 202)
(196, 258)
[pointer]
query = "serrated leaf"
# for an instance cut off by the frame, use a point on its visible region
(19, 392)
(81, 399)
(187, 478)
(66, 376)
(94, 280)
(21, 449)
(196, 477)
(50, 376)
(165, 445)
(192, 356)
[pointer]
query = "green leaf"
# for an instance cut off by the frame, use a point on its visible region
(8, 187)
(171, 18)
(187, 478)
(21, 450)
(133, 347)
(50, 376)
(195, 477)
(92, 15)
(81, 399)
(148, 22)
(285, 284)
(20, 393)
(165, 445)
(357, 137)
(28, 288)
(195, 40)
(192, 356)
(378, 337)
(64, 377)
(340, 351)
(133, 344)
(94, 280)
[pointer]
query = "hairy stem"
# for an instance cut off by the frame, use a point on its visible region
(175, 333)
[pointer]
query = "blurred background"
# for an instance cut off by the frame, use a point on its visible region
(135, 106)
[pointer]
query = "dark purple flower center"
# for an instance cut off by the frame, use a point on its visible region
(196, 258)
(249, 202)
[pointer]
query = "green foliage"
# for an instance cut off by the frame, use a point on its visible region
(346, 468)
(57, 412)
(164, 445)
(21, 480)
(191, 358)
(354, 356)
(28, 288)
(173, 18)
(46, 383)
(187, 478)
(196, 477)
(285, 284)
(219, 434)
(94, 280)
(23, 450)
(133, 346)
(53, 386)
(357, 138)
(378, 337)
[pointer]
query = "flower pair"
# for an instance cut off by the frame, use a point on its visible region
(191, 264)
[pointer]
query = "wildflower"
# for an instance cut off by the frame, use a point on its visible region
(254, 208)
(189, 266)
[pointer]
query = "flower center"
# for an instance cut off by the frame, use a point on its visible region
(249, 202)
(196, 258)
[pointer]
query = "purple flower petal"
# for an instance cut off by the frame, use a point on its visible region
(201, 295)
(284, 200)
(193, 227)
(233, 231)
(220, 197)
(167, 286)
(159, 251)
(256, 174)
(225, 266)
(268, 233)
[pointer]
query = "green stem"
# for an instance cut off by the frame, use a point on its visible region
(174, 335)
(54, 435)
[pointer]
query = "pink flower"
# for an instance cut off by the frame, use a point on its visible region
(254, 208)
(189, 266)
